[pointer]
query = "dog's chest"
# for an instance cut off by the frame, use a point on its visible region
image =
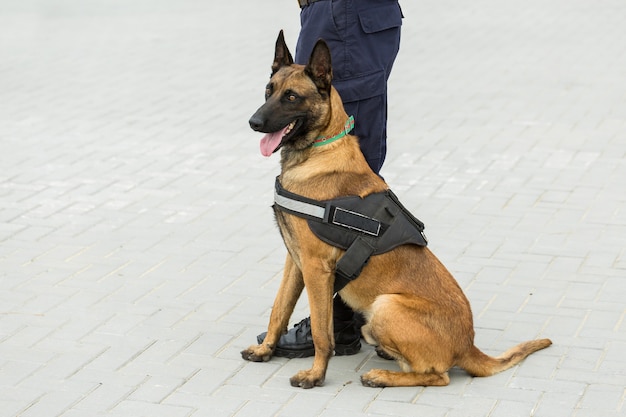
(288, 232)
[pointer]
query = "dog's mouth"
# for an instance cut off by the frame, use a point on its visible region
(272, 142)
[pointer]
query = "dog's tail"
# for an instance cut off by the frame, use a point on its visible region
(477, 363)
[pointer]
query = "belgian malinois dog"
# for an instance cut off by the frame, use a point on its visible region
(415, 311)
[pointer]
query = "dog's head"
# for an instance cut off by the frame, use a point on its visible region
(296, 100)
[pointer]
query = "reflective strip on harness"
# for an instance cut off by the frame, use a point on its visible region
(299, 206)
(326, 212)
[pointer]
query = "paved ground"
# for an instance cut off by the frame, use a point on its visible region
(138, 252)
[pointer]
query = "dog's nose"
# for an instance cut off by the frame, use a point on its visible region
(256, 123)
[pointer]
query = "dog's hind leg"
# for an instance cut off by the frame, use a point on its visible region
(378, 378)
(369, 338)
(397, 326)
(289, 291)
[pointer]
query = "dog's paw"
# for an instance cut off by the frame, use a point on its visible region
(257, 353)
(373, 379)
(307, 379)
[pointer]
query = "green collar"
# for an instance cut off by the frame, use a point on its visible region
(325, 140)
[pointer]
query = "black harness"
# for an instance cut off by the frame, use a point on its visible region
(361, 226)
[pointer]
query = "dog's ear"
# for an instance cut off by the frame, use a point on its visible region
(319, 68)
(282, 56)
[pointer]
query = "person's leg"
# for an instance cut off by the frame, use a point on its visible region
(364, 40)
(373, 134)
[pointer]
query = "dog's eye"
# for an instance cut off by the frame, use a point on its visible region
(291, 96)
(268, 92)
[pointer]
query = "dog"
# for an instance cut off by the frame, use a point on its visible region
(415, 311)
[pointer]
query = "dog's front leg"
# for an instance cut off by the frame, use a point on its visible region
(288, 293)
(319, 287)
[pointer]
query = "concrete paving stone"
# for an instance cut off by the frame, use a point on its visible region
(402, 409)
(157, 388)
(254, 408)
(455, 401)
(254, 393)
(67, 364)
(77, 328)
(239, 317)
(548, 386)
(512, 408)
(54, 403)
(231, 340)
(613, 368)
(15, 372)
(162, 351)
(9, 230)
(590, 377)
(147, 409)
(543, 365)
(208, 381)
(78, 413)
(305, 405)
(488, 390)
(338, 413)
(20, 398)
(104, 397)
(561, 326)
(499, 380)
(219, 310)
(527, 329)
(582, 358)
(255, 373)
(589, 412)
(10, 407)
(614, 351)
(609, 319)
(26, 354)
(601, 259)
(203, 403)
(118, 351)
(118, 324)
(471, 407)
(353, 397)
(553, 403)
(603, 397)
(27, 336)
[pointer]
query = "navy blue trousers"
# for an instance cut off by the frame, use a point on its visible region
(364, 39)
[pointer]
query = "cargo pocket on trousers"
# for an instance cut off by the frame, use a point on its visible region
(379, 18)
(361, 87)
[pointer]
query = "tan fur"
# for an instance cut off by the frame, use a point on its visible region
(416, 312)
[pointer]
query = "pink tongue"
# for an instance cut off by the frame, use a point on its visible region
(271, 141)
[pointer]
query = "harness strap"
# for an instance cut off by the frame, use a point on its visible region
(352, 262)
(325, 212)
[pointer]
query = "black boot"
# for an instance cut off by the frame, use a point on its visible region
(298, 341)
